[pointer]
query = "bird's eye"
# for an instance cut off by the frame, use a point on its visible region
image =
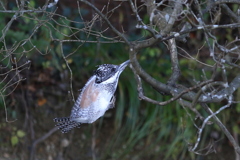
(113, 69)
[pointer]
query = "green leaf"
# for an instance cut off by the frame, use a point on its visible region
(238, 108)
(236, 129)
(31, 4)
(14, 140)
(20, 133)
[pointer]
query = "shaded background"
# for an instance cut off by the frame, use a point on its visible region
(134, 129)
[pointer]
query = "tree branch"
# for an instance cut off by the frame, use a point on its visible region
(223, 128)
(106, 19)
(174, 61)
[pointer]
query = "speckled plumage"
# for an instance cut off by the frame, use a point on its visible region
(95, 98)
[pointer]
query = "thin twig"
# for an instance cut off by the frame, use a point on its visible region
(223, 127)
(45, 136)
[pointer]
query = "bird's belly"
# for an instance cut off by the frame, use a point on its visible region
(98, 109)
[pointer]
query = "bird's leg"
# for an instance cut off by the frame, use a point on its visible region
(112, 102)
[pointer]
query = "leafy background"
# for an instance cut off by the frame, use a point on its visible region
(134, 129)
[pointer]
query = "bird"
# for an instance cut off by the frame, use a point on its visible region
(96, 97)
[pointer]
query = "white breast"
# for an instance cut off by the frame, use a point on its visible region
(100, 106)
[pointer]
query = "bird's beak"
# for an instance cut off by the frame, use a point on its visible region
(123, 65)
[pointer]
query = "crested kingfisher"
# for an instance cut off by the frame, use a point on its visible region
(96, 97)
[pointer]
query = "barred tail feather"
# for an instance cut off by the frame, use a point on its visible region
(65, 124)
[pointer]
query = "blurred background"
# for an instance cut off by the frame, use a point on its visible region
(41, 75)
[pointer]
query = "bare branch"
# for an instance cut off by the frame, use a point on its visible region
(105, 18)
(224, 1)
(223, 127)
(200, 130)
(174, 60)
(143, 97)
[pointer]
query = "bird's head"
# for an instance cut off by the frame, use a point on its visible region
(109, 73)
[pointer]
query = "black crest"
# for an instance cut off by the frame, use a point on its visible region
(105, 71)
